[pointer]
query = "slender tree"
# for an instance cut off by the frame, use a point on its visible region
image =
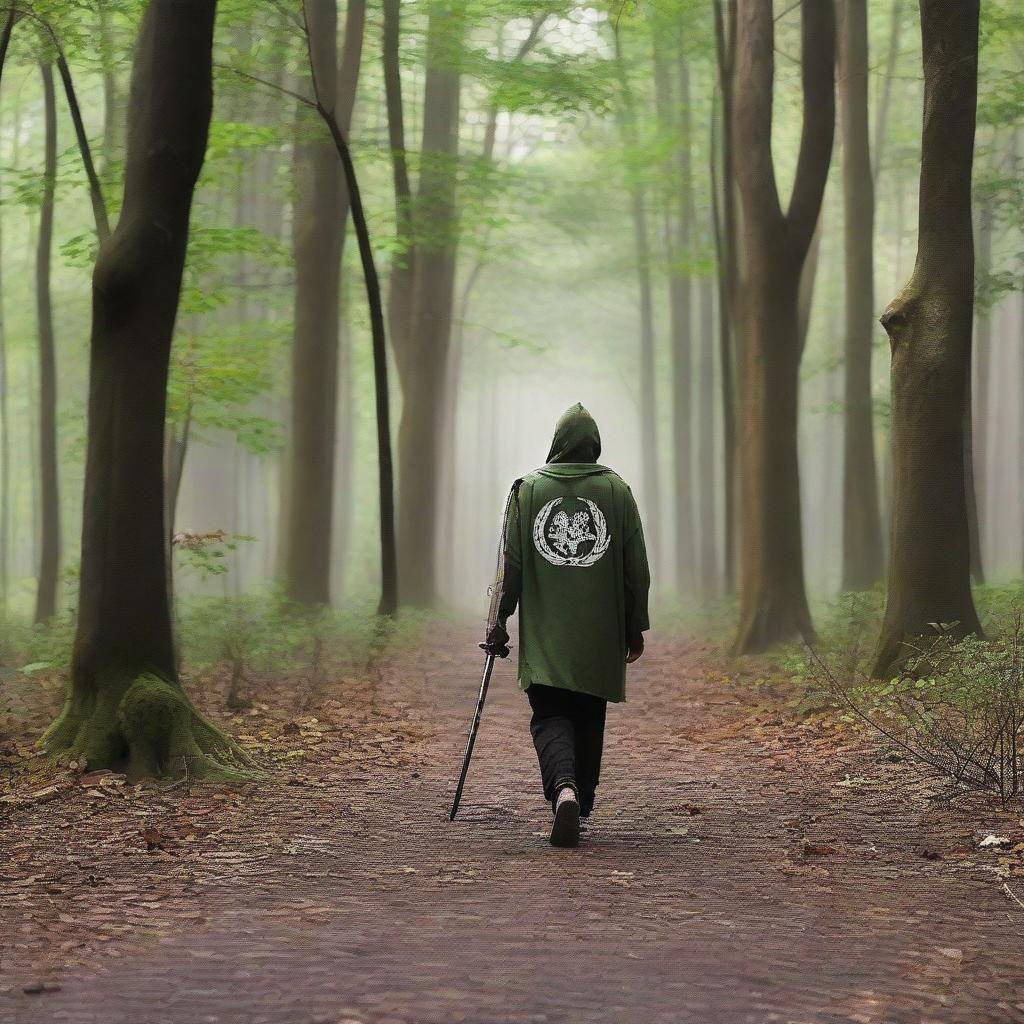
(723, 196)
(319, 235)
(977, 437)
(126, 707)
(5, 447)
(929, 327)
(49, 498)
(675, 122)
(773, 601)
(5, 417)
(422, 285)
(862, 526)
(885, 98)
(322, 102)
(706, 438)
(642, 250)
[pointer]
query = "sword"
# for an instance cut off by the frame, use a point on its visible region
(488, 666)
(492, 619)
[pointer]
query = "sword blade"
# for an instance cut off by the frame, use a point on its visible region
(488, 666)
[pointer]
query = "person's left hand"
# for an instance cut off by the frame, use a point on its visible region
(634, 652)
(496, 643)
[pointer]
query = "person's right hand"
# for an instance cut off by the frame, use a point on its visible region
(496, 644)
(634, 653)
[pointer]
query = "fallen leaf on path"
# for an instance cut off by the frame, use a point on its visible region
(818, 849)
(153, 838)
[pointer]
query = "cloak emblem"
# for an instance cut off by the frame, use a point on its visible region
(577, 539)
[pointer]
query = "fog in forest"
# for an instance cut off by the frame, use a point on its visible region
(293, 294)
(585, 188)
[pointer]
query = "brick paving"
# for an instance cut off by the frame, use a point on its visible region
(742, 866)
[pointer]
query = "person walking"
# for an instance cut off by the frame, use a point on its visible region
(575, 565)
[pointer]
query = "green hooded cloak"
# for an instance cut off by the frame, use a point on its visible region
(576, 565)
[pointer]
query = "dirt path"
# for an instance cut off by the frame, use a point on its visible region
(743, 866)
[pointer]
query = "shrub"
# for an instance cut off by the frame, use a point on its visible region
(957, 706)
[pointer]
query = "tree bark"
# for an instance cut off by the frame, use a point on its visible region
(5, 36)
(929, 326)
(862, 526)
(648, 430)
(319, 234)
(885, 99)
(422, 300)
(49, 497)
(706, 443)
(724, 212)
(976, 439)
(388, 604)
(675, 121)
(5, 445)
(126, 708)
(773, 601)
(113, 127)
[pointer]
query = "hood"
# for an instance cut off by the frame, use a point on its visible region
(575, 447)
(577, 438)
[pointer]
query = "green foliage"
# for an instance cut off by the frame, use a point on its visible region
(33, 649)
(958, 706)
(261, 632)
(206, 553)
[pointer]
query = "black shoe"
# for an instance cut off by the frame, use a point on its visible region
(566, 829)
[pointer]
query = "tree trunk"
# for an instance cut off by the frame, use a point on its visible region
(724, 211)
(319, 233)
(773, 601)
(862, 527)
(345, 446)
(112, 108)
(5, 416)
(885, 99)
(638, 209)
(976, 440)
(126, 708)
(388, 604)
(929, 327)
(5, 449)
(675, 120)
(49, 499)
(422, 346)
(706, 444)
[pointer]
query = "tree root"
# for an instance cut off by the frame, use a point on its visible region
(148, 729)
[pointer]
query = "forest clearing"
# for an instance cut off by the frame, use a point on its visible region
(295, 295)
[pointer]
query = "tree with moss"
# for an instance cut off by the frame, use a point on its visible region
(126, 707)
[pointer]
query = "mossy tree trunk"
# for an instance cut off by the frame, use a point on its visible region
(125, 707)
(773, 601)
(929, 326)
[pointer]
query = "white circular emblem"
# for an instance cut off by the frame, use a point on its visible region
(560, 537)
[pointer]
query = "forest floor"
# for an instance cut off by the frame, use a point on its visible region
(745, 864)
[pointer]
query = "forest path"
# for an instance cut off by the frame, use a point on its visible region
(743, 866)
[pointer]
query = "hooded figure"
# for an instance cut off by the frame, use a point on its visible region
(576, 566)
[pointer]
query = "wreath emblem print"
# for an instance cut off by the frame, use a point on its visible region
(560, 537)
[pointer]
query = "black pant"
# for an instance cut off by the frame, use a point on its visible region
(568, 732)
